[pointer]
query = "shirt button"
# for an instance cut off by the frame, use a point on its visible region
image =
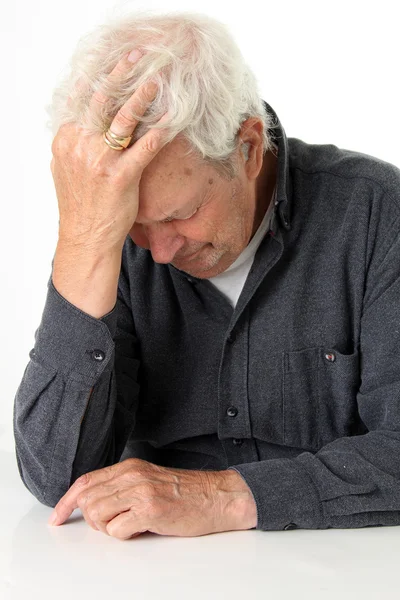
(231, 337)
(237, 442)
(330, 356)
(232, 411)
(290, 526)
(98, 355)
(190, 280)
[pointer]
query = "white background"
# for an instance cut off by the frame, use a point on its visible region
(329, 69)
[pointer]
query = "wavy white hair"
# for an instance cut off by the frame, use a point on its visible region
(202, 77)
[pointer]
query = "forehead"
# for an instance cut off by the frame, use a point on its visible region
(173, 182)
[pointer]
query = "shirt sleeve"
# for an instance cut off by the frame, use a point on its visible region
(75, 406)
(353, 481)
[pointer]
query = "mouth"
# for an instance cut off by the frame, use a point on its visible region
(189, 257)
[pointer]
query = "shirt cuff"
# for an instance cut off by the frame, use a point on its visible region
(285, 496)
(72, 341)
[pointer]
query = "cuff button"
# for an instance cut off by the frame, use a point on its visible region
(290, 526)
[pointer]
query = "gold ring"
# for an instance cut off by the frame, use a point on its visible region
(122, 141)
(114, 147)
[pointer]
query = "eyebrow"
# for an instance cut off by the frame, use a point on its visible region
(177, 212)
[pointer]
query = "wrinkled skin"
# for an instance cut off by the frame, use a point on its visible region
(134, 496)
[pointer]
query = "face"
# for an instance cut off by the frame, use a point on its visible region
(190, 216)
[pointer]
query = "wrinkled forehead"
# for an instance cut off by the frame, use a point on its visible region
(173, 182)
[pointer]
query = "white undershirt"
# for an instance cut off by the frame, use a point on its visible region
(231, 281)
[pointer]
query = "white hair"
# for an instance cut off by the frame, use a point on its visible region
(202, 79)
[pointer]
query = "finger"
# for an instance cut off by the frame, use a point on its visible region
(121, 69)
(86, 501)
(126, 526)
(147, 147)
(81, 87)
(124, 122)
(69, 502)
(89, 521)
(104, 506)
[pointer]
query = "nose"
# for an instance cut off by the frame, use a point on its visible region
(164, 242)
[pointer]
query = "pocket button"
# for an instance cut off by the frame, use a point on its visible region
(98, 355)
(237, 441)
(232, 411)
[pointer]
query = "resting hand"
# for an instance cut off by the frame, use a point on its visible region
(134, 496)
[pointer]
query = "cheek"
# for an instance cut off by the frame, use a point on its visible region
(198, 231)
(205, 227)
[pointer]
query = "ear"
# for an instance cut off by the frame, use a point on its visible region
(251, 136)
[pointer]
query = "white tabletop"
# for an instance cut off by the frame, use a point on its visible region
(73, 561)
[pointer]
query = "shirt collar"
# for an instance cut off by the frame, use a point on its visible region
(283, 183)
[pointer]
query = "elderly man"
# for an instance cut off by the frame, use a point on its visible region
(219, 348)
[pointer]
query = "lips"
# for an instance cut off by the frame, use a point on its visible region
(189, 256)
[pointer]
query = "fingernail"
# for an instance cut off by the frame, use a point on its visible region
(53, 518)
(134, 55)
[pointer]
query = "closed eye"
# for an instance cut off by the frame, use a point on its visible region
(169, 219)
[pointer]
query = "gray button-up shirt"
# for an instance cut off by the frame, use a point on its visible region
(297, 388)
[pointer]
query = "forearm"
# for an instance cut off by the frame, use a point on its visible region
(87, 276)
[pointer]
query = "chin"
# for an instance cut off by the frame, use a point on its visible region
(203, 267)
(199, 266)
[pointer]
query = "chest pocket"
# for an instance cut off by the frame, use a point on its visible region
(319, 397)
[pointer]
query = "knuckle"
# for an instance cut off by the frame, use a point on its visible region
(145, 489)
(82, 498)
(110, 471)
(120, 178)
(61, 141)
(130, 466)
(124, 119)
(83, 480)
(121, 495)
(150, 144)
(146, 94)
(130, 475)
(93, 512)
(132, 462)
(100, 97)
